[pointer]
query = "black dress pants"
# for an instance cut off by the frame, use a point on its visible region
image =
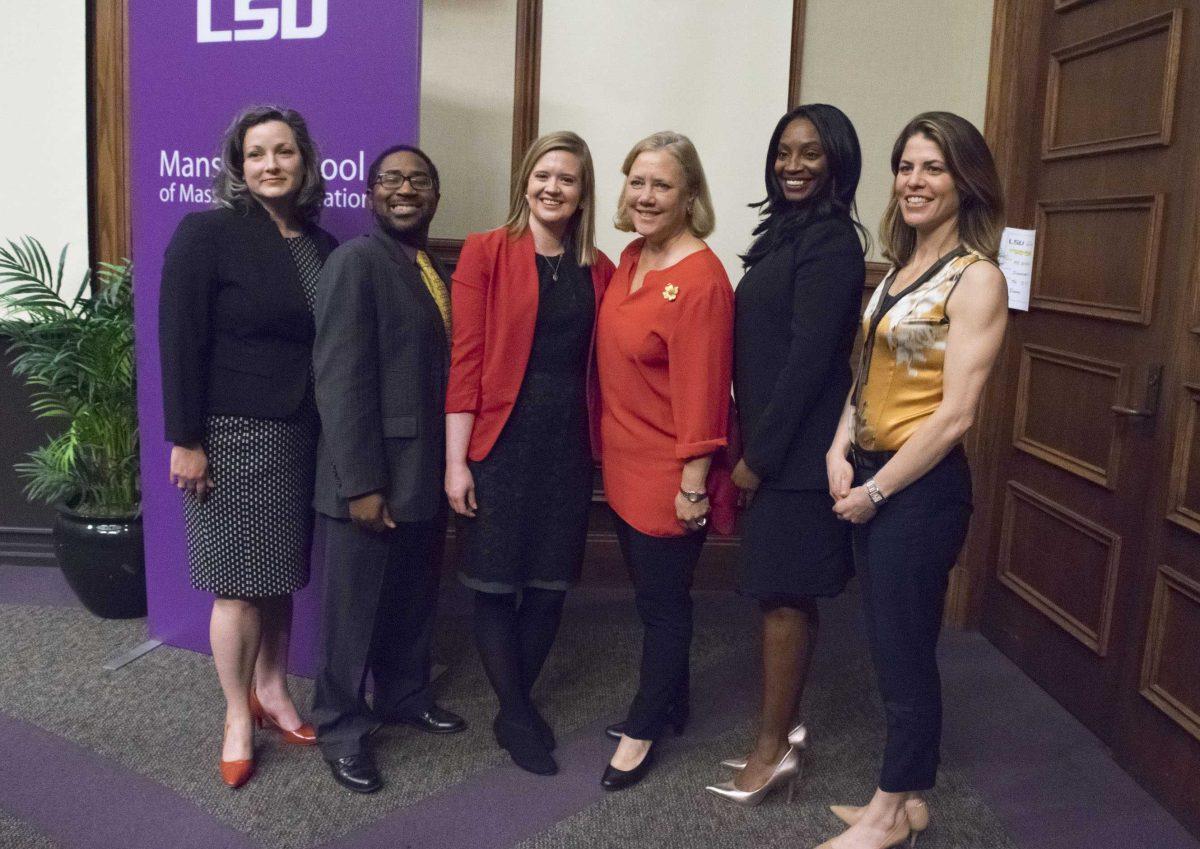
(904, 556)
(661, 569)
(380, 595)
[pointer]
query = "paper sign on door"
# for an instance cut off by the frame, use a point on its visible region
(1016, 261)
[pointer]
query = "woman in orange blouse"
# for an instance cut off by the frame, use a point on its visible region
(664, 345)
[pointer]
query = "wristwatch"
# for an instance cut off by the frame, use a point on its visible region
(877, 497)
(693, 497)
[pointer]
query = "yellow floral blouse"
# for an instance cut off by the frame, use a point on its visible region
(899, 381)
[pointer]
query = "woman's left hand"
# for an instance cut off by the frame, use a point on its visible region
(692, 516)
(856, 507)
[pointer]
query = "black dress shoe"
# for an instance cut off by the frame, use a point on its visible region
(437, 720)
(619, 779)
(356, 772)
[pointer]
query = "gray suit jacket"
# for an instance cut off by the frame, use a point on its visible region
(381, 361)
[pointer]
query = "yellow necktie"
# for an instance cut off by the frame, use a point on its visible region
(436, 287)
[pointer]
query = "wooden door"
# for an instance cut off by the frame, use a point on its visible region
(1092, 491)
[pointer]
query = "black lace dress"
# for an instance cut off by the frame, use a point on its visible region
(534, 487)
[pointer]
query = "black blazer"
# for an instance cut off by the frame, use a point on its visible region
(797, 314)
(381, 361)
(234, 330)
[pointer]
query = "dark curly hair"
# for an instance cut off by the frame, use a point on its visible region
(229, 186)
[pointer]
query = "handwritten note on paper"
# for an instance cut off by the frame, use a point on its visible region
(1016, 261)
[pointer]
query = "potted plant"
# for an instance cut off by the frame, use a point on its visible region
(77, 356)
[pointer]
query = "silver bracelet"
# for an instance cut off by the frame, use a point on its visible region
(693, 497)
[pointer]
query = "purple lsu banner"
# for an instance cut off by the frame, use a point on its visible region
(352, 69)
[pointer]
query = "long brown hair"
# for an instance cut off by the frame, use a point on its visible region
(980, 198)
(582, 228)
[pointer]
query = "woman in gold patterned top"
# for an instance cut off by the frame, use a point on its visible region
(896, 468)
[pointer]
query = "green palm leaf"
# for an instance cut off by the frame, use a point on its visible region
(79, 358)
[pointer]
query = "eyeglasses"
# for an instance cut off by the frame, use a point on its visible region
(396, 179)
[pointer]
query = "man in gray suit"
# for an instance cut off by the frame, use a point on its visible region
(381, 360)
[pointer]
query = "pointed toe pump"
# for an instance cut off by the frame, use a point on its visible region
(303, 735)
(785, 774)
(916, 809)
(797, 738)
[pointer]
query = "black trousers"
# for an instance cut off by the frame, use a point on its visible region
(661, 569)
(377, 612)
(904, 556)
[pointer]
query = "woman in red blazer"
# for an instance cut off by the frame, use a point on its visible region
(522, 423)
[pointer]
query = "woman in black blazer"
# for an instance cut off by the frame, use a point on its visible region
(797, 312)
(235, 336)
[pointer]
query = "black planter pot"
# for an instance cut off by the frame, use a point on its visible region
(104, 562)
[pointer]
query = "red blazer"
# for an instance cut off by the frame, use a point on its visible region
(494, 303)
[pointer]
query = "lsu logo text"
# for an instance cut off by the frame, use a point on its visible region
(261, 24)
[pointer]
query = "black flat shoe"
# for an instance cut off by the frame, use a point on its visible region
(436, 720)
(677, 719)
(619, 779)
(356, 772)
(542, 727)
(525, 746)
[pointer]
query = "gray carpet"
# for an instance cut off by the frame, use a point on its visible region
(160, 717)
(20, 835)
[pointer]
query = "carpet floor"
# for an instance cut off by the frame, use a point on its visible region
(128, 758)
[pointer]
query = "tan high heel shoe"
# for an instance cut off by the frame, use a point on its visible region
(797, 738)
(916, 810)
(900, 833)
(785, 772)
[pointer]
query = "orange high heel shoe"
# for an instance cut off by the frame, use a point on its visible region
(237, 773)
(304, 735)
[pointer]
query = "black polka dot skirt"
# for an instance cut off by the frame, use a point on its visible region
(250, 537)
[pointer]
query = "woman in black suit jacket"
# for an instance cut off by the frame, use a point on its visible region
(235, 336)
(797, 312)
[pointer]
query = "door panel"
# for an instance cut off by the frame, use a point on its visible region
(1093, 527)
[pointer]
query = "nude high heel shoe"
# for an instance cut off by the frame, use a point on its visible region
(797, 738)
(900, 833)
(785, 772)
(916, 810)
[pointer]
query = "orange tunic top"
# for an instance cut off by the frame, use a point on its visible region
(665, 356)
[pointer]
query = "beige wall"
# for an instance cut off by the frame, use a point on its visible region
(619, 70)
(43, 148)
(466, 109)
(873, 59)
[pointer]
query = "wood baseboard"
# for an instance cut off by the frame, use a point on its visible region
(26, 546)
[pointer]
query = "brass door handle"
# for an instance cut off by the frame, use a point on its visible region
(1149, 408)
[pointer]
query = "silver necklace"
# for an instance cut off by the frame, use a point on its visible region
(554, 268)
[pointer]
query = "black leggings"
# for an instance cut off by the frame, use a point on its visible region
(904, 556)
(514, 640)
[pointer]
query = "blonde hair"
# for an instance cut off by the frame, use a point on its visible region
(701, 218)
(582, 227)
(980, 198)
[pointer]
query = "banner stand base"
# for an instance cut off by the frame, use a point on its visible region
(130, 655)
